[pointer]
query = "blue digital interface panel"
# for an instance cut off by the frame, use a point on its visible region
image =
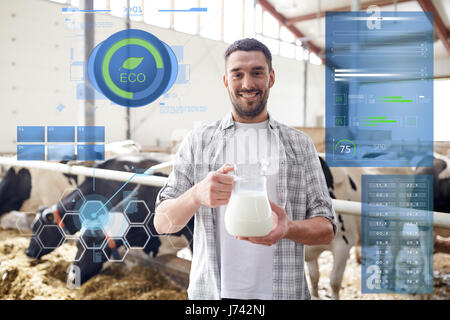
(60, 134)
(30, 134)
(90, 134)
(379, 89)
(90, 152)
(397, 234)
(60, 152)
(60, 143)
(30, 152)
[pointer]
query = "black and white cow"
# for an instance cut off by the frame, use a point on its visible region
(89, 267)
(441, 176)
(26, 189)
(441, 190)
(340, 186)
(56, 213)
(15, 188)
(345, 184)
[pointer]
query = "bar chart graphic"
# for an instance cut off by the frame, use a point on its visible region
(379, 89)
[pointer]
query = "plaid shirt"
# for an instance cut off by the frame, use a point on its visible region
(301, 189)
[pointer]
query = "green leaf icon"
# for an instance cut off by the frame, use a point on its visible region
(131, 63)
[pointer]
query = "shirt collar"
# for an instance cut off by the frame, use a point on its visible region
(228, 122)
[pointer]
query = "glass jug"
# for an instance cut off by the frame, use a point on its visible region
(248, 213)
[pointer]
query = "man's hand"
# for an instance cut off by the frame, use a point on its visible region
(215, 189)
(279, 230)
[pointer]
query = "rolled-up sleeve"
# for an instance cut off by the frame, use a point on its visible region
(181, 178)
(318, 201)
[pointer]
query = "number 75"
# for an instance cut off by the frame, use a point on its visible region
(345, 149)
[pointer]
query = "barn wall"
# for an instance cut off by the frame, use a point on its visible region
(35, 59)
(36, 65)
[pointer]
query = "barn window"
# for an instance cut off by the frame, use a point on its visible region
(287, 47)
(185, 21)
(232, 29)
(210, 21)
(153, 16)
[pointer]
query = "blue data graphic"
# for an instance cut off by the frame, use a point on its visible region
(397, 234)
(30, 152)
(184, 10)
(130, 201)
(132, 68)
(60, 134)
(184, 70)
(60, 152)
(77, 10)
(379, 88)
(90, 134)
(61, 143)
(90, 152)
(30, 134)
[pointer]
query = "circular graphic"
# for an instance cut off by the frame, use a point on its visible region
(345, 147)
(94, 212)
(132, 68)
(93, 215)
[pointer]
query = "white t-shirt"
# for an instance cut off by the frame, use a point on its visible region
(245, 267)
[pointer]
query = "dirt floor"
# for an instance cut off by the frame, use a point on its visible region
(24, 278)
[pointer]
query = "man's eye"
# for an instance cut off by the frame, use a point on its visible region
(237, 75)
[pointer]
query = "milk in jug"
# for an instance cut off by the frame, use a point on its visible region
(248, 213)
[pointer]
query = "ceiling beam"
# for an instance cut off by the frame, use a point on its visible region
(363, 6)
(266, 5)
(439, 27)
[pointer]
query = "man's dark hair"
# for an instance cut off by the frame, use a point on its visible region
(250, 44)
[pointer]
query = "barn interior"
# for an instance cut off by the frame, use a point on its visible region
(46, 51)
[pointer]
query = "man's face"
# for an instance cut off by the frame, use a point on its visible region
(248, 81)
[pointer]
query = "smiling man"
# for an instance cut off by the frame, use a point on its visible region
(269, 267)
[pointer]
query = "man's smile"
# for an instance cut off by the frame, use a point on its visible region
(249, 96)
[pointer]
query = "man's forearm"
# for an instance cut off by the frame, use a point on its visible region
(214, 190)
(173, 214)
(314, 231)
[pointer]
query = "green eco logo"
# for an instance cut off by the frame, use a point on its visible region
(131, 63)
(136, 76)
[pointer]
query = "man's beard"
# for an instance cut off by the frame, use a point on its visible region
(252, 112)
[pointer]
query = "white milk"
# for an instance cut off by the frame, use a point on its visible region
(248, 214)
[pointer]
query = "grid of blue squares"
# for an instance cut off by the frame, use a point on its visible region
(61, 143)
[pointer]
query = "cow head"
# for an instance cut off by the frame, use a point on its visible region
(46, 234)
(85, 266)
(91, 261)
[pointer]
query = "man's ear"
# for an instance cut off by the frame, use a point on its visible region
(271, 78)
(225, 81)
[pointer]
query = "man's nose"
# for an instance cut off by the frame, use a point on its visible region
(248, 83)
